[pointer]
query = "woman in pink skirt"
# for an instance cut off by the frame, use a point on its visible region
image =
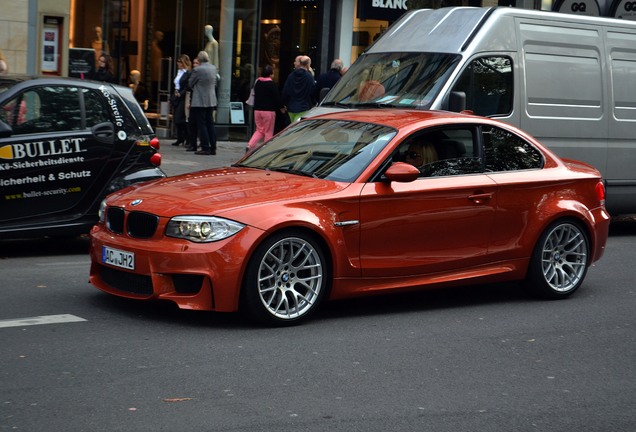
(266, 102)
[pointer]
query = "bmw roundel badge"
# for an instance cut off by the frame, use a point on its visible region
(136, 202)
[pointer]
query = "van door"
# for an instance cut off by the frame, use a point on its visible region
(52, 161)
(621, 149)
(562, 88)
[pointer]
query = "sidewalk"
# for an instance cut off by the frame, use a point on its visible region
(175, 160)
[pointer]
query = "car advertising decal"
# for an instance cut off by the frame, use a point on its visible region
(112, 103)
(41, 149)
(51, 171)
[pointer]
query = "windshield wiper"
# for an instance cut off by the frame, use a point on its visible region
(291, 171)
(375, 105)
(336, 104)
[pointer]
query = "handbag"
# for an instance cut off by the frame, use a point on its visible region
(250, 100)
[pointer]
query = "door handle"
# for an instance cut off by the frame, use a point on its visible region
(480, 198)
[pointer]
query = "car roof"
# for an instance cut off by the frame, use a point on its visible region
(401, 118)
(10, 81)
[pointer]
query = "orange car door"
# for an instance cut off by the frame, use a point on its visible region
(426, 226)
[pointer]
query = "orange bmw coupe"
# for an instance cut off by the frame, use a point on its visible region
(356, 203)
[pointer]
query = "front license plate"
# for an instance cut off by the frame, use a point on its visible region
(118, 258)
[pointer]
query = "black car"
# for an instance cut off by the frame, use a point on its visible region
(64, 145)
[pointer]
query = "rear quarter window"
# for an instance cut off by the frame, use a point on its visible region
(96, 109)
(505, 151)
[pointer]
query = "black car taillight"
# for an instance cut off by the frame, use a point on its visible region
(155, 159)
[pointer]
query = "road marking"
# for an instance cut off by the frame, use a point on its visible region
(47, 319)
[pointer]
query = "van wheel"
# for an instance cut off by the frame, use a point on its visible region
(559, 261)
(285, 280)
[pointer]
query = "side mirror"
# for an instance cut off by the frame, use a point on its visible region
(457, 101)
(401, 172)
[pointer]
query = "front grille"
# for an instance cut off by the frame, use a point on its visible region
(127, 282)
(136, 224)
(115, 219)
(142, 225)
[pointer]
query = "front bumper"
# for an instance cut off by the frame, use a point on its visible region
(198, 276)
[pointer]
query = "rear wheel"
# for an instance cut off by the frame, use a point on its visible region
(286, 279)
(559, 261)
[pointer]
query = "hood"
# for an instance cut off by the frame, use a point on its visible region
(213, 192)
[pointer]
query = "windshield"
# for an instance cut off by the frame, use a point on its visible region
(327, 149)
(405, 80)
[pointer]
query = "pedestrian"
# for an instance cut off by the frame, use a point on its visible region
(202, 82)
(104, 71)
(298, 91)
(266, 102)
(328, 79)
(192, 123)
(179, 99)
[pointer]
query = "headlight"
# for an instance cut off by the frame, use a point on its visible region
(102, 211)
(202, 229)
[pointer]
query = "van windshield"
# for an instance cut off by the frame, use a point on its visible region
(405, 80)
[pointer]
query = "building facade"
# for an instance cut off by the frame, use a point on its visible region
(62, 37)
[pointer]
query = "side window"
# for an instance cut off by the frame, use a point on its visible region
(504, 151)
(487, 82)
(46, 109)
(13, 112)
(97, 110)
(442, 152)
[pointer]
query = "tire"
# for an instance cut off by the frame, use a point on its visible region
(285, 280)
(559, 261)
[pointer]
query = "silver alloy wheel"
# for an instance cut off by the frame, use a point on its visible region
(564, 257)
(290, 278)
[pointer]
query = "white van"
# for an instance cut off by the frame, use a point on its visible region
(569, 80)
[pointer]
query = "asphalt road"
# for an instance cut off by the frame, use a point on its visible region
(485, 358)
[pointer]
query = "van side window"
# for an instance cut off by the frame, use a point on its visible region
(504, 151)
(487, 82)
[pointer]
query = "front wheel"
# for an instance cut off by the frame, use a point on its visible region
(285, 280)
(559, 261)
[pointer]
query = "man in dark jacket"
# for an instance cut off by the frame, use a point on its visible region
(328, 79)
(202, 82)
(298, 91)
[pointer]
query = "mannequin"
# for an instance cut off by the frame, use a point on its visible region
(99, 44)
(139, 89)
(212, 46)
(156, 53)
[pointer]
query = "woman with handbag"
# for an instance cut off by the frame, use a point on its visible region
(179, 99)
(266, 102)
